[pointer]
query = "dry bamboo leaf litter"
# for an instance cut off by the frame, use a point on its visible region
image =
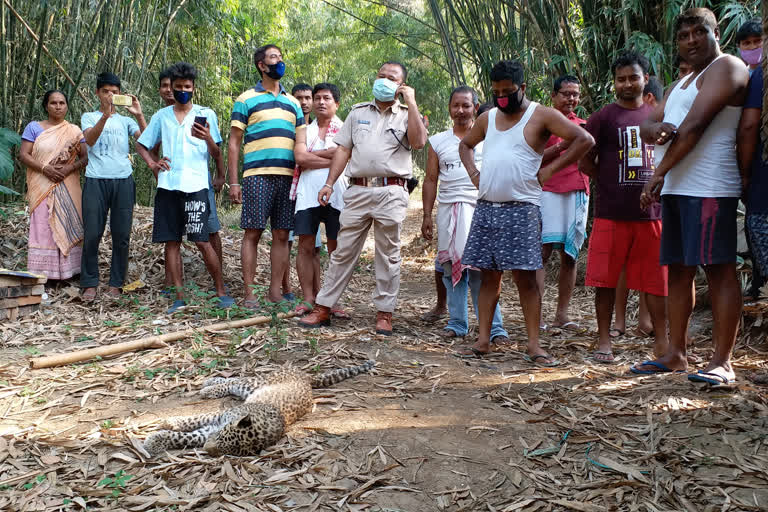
(426, 432)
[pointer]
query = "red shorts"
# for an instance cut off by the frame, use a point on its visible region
(634, 245)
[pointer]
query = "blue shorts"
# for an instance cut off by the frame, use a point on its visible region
(698, 230)
(213, 218)
(267, 197)
(504, 236)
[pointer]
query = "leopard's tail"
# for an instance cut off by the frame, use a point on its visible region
(332, 377)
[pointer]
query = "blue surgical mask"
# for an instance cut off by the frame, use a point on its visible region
(384, 89)
(182, 97)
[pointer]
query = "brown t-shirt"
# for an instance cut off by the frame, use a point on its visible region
(379, 141)
(625, 162)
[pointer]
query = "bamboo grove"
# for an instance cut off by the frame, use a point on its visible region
(65, 43)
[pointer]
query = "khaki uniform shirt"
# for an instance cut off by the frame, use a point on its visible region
(379, 141)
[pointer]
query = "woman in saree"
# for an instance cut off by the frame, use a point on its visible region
(54, 151)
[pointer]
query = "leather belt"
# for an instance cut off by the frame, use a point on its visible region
(378, 182)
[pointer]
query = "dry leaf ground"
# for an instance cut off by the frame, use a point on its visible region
(426, 431)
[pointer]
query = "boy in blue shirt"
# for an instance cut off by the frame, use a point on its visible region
(109, 187)
(181, 202)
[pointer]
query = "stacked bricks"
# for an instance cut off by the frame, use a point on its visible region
(20, 294)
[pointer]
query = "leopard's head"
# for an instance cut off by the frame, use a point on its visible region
(247, 434)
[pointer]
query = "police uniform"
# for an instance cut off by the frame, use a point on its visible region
(379, 166)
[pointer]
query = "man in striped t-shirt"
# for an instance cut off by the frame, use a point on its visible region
(266, 118)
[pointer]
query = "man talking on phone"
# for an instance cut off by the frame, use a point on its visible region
(376, 140)
(190, 137)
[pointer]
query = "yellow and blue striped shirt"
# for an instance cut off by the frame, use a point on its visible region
(269, 124)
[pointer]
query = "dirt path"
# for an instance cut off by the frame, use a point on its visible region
(426, 431)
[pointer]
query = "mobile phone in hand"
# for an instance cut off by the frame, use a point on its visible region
(122, 99)
(201, 120)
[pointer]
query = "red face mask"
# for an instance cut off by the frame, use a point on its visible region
(510, 103)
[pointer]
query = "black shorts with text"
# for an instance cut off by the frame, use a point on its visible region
(180, 213)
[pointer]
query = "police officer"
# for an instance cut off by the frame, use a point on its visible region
(376, 140)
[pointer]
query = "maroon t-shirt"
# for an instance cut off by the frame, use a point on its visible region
(625, 162)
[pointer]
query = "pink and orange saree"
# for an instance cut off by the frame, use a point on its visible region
(56, 220)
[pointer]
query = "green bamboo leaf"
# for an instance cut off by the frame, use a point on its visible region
(9, 138)
(6, 190)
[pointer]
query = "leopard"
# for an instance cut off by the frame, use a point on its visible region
(271, 403)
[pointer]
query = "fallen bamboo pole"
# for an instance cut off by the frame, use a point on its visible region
(145, 343)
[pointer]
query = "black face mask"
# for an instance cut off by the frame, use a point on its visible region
(275, 71)
(509, 104)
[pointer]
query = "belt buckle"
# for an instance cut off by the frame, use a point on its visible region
(378, 181)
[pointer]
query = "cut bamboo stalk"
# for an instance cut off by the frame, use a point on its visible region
(145, 343)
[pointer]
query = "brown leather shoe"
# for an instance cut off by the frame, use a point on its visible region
(319, 317)
(384, 323)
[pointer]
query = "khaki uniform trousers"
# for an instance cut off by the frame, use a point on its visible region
(384, 208)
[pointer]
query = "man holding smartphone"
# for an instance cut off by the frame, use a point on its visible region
(376, 139)
(109, 188)
(214, 185)
(190, 136)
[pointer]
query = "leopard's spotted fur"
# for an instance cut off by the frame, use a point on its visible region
(272, 402)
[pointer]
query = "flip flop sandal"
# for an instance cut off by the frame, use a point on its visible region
(712, 380)
(213, 290)
(340, 314)
(176, 306)
(449, 333)
(88, 298)
(596, 359)
(113, 296)
(431, 316)
(618, 332)
(645, 334)
(568, 326)
(302, 309)
(660, 368)
(252, 304)
(500, 340)
(470, 352)
(534, 360)
(225, 302)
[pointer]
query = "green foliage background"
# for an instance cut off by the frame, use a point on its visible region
(442, 42)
